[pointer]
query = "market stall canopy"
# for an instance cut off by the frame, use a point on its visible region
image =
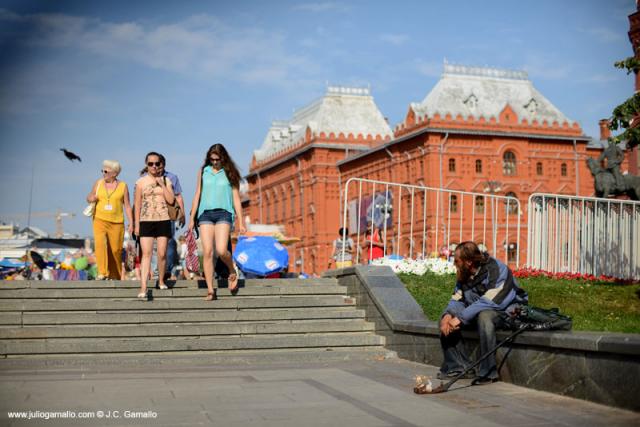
(7, 263)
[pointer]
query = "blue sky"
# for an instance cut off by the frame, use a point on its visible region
(116, 79)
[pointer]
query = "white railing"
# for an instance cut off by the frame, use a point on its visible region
(414, 220)
(584, 235)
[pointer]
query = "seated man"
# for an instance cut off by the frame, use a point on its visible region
(484, 294)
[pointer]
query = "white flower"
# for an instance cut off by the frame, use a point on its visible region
(417, 266)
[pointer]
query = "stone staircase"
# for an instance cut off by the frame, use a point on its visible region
(268, 320)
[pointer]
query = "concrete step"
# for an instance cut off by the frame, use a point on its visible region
(275, 319)
(232, 358)
(100, 284)
(167, 303)
(129, 292)
(187, 329)
(177, 317)
(11, 347)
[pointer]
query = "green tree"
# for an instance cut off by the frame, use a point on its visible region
(624, 114)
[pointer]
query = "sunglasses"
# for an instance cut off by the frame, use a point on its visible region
(215, 159)
(105, 171)
(156, 164)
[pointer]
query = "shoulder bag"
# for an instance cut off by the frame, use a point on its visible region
(174, 208)
(90, 210)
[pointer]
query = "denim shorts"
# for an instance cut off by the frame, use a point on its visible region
(215, 216)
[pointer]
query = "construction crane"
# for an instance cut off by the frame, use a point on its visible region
(58, 215)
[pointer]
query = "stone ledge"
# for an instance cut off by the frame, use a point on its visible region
(586, 341)
(576, 364)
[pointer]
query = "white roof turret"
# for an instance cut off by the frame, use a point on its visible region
(484, 92)
(343, 109)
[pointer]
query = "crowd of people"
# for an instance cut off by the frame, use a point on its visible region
(158, 206)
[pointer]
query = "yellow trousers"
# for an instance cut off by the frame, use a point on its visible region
(108, 237)
(343, 264)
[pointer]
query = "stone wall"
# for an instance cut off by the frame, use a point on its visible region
(595, 366)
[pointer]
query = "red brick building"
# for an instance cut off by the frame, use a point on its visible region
(476, 126)
(293, 178)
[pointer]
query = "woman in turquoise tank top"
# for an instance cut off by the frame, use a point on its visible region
(216, 205)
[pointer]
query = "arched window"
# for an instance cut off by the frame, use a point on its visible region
(408, 205)
(539, 168)
(292, 194)
(284, 202)
(267, 208)
(512, 252)
(478, 166)
(453, 204)
(563, 169)
(479, 204)
(511, 205)
(509, 163)
(452, 165)
(276, 197)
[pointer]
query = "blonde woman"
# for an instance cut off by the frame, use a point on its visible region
(112, 203)
(153, 193)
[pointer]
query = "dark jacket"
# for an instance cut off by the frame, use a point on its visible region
(493, 287)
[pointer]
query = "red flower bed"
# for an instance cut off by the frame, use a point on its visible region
(533, 272)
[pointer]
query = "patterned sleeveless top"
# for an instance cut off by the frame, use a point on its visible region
(154, 205)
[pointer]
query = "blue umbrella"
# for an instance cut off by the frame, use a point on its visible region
(260, 255)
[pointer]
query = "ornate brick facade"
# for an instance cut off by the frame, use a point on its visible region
(293, 179)
(459, 137)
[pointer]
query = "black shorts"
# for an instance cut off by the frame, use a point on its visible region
(155, 228)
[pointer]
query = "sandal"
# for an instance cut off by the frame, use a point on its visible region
(211, 296)
(233, 283)
(142, 295)
(163, 287)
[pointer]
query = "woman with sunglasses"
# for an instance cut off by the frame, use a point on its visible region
(216, 204)
(112, 202)
(153, 194)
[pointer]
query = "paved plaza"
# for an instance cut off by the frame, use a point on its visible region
(358, 393)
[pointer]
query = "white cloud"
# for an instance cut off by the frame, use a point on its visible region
(201, 46)
(322, 7)
(543, 67)
(429, 68)
(606, 35)
(395, 39)
(308, 43)
(601, 78)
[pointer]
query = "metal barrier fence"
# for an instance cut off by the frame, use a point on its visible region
(584, 235)
(411, 220)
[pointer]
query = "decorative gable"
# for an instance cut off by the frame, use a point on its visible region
(454, 184)
(410, 120)
(508, 116)
(471, 102)
(531, 106)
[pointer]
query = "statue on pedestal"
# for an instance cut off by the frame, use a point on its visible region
(610, 180)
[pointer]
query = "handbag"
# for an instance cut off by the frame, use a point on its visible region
(173, 209)
(192, 260)
(196, 228)
(90, 210)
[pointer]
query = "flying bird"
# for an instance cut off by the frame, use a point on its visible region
(70, 155)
